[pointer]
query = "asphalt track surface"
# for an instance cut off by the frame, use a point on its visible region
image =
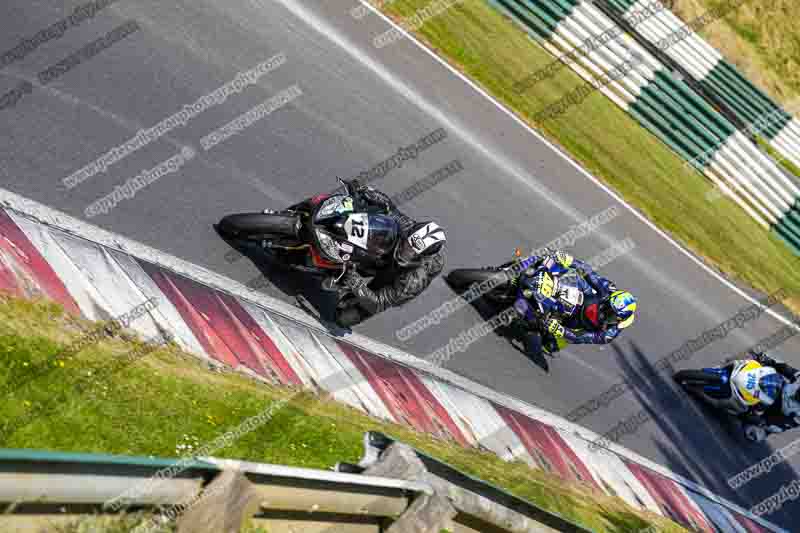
(359, 105)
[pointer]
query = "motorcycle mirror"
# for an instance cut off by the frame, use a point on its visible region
(348, 186)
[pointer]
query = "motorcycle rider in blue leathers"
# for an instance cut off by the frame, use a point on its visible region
(595, 316)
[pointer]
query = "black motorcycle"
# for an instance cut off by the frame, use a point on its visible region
(320, 236)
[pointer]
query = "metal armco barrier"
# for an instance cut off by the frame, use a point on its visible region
(632, 73)
(46, 488)
(478, 506)
(211, 494)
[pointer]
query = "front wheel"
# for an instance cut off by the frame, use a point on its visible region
(259, 225)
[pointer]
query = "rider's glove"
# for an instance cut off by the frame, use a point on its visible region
(564, 259)
(764, 359)
(353, 281)
(330, 285)
(375, 197)
(755, 433)
(555, 328)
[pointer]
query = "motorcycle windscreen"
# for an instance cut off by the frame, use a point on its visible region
(334, 206)
(377, 234)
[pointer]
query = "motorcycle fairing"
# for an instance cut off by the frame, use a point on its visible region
(555, 289)
(554, 267)
(382, 235)
(524, 308)
(570, 297)
(318, 261)
(542, 288)
(356, 227)
(722, 390)
(591, 312)
(341, 235)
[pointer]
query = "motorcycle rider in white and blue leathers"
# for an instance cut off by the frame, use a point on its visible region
(780, 410)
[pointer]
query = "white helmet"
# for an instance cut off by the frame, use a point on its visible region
(426, 238)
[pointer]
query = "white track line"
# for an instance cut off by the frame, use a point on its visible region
(495, 155)
(580, 169)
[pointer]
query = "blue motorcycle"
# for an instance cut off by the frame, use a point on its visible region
(740, 388)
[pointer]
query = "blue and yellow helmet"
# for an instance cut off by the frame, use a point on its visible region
(621, 307)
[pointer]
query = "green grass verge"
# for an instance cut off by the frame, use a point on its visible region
(169, 399)
(768, 44)
(495, 53)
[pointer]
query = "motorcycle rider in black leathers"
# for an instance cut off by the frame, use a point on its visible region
(784, 413)
(418, 258)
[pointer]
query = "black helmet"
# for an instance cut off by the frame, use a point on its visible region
(425, 238)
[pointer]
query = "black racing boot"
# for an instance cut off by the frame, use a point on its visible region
(349, 316)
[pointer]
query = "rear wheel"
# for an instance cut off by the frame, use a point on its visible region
(493, 283)
(259, 225)
(463, 278)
